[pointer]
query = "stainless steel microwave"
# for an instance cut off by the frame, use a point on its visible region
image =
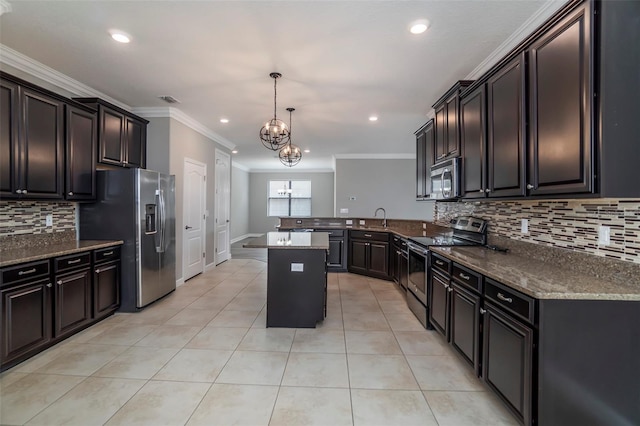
(445, 179)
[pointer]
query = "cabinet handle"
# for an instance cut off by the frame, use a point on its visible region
(506, 299)
(70, 193)
(18, 191)
(59, 282)
(108, 254)
(367, 235)
(24, 191)
(439, 262)
(482, 190)
(70, 262)
(529, 186)
(28, 271)
(464, 277)
(483, 311)
(450, 289)
(97, 271)
(487, 190)
(49, 285)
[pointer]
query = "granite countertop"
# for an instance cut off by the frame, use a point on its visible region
(291, 240)
(30, 254)
(539, 279)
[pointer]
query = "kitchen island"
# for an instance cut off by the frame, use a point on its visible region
(296, 277)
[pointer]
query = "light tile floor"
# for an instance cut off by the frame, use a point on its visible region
(203, 356)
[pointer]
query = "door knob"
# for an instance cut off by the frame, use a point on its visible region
(188, 227)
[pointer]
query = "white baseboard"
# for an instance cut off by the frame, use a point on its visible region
(242, 237)
(209, 267)
(179, 282)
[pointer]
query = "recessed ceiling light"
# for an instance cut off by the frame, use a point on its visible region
(373, 118)
(224, 120)
(418, 27)
(307, 151)
(119, 36)
(235, 151)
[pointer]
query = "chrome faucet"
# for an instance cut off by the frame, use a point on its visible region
(384, 218)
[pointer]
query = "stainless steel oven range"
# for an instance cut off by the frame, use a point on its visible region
(466, 231)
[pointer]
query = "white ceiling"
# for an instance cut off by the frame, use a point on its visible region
(341, 61)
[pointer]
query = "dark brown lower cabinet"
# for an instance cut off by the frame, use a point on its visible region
(370, 254)
(358, 257)
(464, 326)
(379, 259)
(26, 319)
(72, 301)
(439, 303)
(106, 289)
(508, 360)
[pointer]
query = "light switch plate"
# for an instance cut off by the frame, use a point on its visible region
(48, 219)
(344, 211)
(348, 222)
(297, 267)
(524, 226)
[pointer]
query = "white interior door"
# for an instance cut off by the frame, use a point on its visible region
(223, 204)
(193, 247)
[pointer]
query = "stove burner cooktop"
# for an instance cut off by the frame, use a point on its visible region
(467, 231)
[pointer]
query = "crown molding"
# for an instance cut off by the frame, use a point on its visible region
(239, 166)
(529, 26)
(39, 70)
(279, 171)
(5, 7)
(375, 156)
(176, 114)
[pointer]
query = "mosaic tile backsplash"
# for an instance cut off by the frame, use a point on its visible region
(571, 224)
(28, 217)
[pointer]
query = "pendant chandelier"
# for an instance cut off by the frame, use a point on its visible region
(274, 134)
(290, 154)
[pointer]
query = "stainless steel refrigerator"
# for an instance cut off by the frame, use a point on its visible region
(138, 207)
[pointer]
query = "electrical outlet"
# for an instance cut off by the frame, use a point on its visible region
(604, 235)
(424, 225)
(362, 222)
(424, 233)
(524, 226)
(48, 220)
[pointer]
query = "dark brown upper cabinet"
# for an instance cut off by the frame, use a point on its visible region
(424, 159)
(474, 143)
(506, 131)
(81, 134)
(561, 147)
(447, 119)
(32, 142)
(122, 136)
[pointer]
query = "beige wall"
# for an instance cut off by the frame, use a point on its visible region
(187, 143)
(158, 144)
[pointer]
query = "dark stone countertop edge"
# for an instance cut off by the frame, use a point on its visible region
(358, 228)
(493, 261)
(31, 254)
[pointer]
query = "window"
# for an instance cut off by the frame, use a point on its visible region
(289, 198)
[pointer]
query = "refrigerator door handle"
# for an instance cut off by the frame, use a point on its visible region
(161, 221)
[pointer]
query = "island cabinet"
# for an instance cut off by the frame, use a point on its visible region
(122, 136)
(425, 137)
(31, 142)
(369, 253)
(337, 256)
(447, 121)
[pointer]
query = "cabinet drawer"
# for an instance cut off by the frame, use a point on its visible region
(72, 261)
(374, 236)
(332, 232)
(106, 255)
(25, 271)
(466, 277)
(441, 264)
(511, 300)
